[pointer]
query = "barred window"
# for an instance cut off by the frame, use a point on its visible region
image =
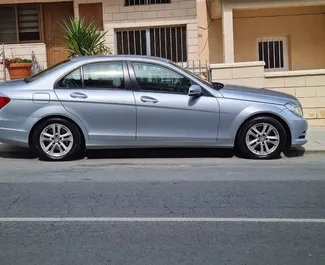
(165, 42)
(145, 2)
(274, 52)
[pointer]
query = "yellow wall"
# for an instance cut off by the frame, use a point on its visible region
(209, 35)
(239, 4)
(203, 22)
(304, 27)
(215, 41)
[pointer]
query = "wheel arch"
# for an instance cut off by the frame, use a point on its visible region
(82, 133)
(275, 116)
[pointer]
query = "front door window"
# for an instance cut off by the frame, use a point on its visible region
(155, 78)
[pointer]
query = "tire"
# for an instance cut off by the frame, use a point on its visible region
(255, 145)
(57, 139)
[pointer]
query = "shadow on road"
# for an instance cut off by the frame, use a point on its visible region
(295, 152)
(8, 151)
(161, 153)
(24, 153)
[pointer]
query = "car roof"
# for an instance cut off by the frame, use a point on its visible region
(120, 57)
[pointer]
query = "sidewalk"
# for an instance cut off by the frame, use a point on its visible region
(316, 139)
(315, 144)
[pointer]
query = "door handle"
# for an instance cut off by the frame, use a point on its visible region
(78, 95)
(149, 99)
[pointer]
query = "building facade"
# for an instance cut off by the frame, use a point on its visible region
(277, 44)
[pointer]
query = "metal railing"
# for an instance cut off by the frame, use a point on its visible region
(3, 57)
(197, 67)
(36, 67)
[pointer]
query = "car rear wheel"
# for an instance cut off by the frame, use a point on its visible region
(57, 139)
(262, 138)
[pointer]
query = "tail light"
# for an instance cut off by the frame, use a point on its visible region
(4, 101)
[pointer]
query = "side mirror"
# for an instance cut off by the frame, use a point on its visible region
(195, 90)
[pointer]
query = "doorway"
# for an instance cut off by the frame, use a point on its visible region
(54, 14)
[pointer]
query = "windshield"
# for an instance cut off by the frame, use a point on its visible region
(44, 72)
(213, 85)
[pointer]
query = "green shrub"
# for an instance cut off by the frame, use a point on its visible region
(83, 39)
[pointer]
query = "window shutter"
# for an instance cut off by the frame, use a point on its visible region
(28, 23)
(93, 11)
(8, 32)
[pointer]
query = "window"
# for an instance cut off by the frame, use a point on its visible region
(274, 52)
(72, 80)
(145, 2)
(8, 30)
(95, 75)
(165, 42)
(103, 75)
(151, 77)
(19, 23)
(92, 12)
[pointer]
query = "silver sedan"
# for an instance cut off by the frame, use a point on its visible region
(102, 102)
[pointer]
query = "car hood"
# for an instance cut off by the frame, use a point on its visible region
(257, 95)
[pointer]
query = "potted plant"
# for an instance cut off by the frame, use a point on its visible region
(18, 68)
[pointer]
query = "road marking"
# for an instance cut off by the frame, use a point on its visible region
(159, 219)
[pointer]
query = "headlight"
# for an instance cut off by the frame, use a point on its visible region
(296, 109)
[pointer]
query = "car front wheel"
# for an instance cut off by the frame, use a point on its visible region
(57, 139)
(262, 137)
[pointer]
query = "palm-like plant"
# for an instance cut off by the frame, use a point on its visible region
(83, 39)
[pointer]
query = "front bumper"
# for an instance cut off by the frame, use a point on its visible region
(298, 127)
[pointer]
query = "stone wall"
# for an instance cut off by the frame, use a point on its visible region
(179, 12)
(308, 86)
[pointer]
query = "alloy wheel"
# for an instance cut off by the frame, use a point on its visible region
(56, 140)
(262, 139)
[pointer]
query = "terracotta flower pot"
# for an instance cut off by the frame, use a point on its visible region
(19, 70)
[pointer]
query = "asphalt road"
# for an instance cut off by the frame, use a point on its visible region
(242, 191)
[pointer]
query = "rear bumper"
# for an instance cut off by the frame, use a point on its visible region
(12, 130)
(14, 137)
